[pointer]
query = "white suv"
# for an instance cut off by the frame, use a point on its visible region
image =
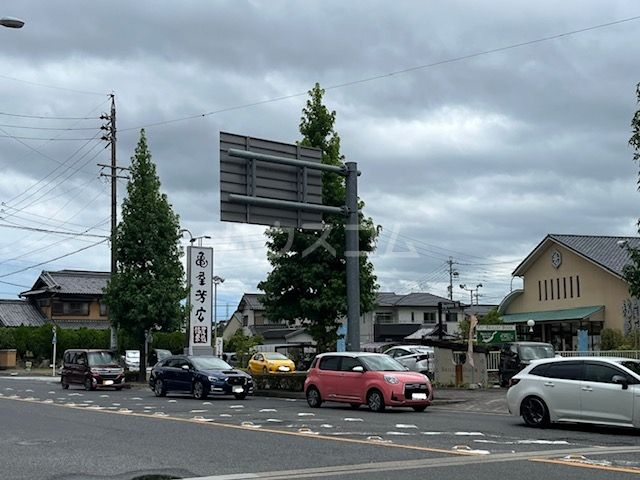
(598, 390)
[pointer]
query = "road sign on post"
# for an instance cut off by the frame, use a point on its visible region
(277, 184)
(495, 334)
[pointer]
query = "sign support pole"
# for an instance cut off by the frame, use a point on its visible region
(352, 240)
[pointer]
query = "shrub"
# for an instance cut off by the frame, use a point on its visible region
(7, 339)
(288, 382)
(611, 339)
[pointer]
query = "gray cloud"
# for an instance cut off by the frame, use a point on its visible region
(475, 160)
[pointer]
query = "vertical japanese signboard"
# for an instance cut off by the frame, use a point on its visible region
(200, 272)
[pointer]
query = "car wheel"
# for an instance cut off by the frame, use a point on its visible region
(534, 412)
(158, 388)
(420, 408)
(88, 384)
(355, 406)
(375, 400)
(198, 391)
(313, 397)
(240, 396)
(64, 384)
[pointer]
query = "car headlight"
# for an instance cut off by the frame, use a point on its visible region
(391, 379)
(213, 379)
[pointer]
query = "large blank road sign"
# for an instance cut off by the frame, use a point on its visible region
(260, 179)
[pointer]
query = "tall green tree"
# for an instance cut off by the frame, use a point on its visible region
(631, 272)
(148, 286)
(308, 279)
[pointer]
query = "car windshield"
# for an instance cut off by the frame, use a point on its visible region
(533, 352)
(275, 356)
(632, 365)
(100, 358)
(210, 363)
(382, 363)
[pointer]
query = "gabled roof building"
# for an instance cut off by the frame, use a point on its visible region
(573, 287)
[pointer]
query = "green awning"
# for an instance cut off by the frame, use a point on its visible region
(579, 313)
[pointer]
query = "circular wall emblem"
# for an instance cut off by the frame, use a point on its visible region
(556, 258)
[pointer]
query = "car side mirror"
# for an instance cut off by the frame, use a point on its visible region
(620, 380)
(358, 368)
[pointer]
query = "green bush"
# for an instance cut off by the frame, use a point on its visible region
(7, 339)
(35, 342)
(173, 341)
(287, 382)
(611, 339)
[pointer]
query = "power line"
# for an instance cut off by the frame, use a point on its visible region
(66, 129)
(53, 259)
(396, 72)
(46, 139)
(14, 284)
(83, 92)
(42, 117)
(56, 232)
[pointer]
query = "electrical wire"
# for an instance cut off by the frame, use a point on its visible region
(83, 92)
(56, 232)
(42, 117)
(53, 259)
(26, 127)
(393, 73)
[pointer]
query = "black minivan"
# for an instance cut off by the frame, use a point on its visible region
(515, 356)
(91, 369)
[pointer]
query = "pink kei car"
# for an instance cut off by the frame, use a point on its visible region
(374, 379)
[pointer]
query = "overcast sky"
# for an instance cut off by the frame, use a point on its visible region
(474, 158)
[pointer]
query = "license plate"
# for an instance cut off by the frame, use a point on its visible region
(237, 389)
(418, 396)
(108, 382)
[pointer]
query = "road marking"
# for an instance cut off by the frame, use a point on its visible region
(399, 465)
(455, 457)
(579, 464)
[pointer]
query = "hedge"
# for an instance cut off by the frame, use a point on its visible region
(288, 382)
(34, 343)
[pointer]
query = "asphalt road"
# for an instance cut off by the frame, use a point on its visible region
(48, 433)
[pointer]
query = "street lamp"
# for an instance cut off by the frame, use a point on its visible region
(530, 324)
(216, 281)
(192, 239)
(11, 22)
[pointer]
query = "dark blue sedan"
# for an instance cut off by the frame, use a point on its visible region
(199, 375)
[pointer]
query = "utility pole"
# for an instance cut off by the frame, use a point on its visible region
(111, 138)
(452, 273)
(471, 290)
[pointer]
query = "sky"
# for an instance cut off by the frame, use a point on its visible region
(479, 127)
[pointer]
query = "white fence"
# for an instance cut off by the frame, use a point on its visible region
(493, 358)
(603, 353)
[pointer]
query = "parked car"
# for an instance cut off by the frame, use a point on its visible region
(92, 369)
(599, 390)
(200, 376)
(231, 358)
(157, 354)
(515, 356)
(132, 360)
(373, 379)
(418, 358)
(270, 362)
